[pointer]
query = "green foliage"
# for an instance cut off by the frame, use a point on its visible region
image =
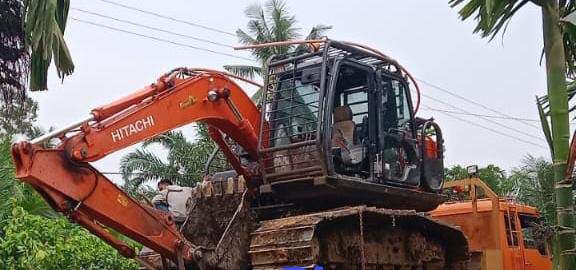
(184, 165)
(269, 23)
(44, 25)
(33, 236)
(493, 17)
(492, 175)
(533, 183)
(34, 242)
(15, 193)
(17, 116)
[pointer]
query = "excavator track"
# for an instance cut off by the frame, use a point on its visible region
(348, 238)
(362, 238)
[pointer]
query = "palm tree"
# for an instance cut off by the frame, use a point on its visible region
(534, 185)
(186, 160)
(269, 23)
(492, 18)
(184, 164)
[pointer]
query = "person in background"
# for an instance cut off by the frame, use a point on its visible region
(157, 200)
(174, 198)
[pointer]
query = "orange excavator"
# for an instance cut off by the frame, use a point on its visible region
(330, 170)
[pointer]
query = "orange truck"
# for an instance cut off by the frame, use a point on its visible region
(502, 234)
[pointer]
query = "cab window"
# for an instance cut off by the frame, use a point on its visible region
(533, 234)
(395, 104)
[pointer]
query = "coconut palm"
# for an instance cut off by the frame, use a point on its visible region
(269, 23)
(184, 164)
(186, 160)
(534, 185)
(492, 17)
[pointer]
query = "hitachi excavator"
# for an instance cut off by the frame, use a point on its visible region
(330, 171)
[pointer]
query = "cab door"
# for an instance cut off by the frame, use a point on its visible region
(352, 126)
(536, 252)
(398, 155)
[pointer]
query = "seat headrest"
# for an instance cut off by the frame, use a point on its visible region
(342, 113)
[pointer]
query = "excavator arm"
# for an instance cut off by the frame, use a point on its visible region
(63, 176)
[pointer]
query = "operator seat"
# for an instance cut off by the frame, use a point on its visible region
(343, 136)
(343, 129)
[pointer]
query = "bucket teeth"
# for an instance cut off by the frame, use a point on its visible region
(207, 189)
(229, 186)
(221, 187)
(241, 184)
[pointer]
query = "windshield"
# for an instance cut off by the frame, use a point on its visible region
(296, 112)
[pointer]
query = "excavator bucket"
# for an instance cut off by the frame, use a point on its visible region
(221, 221)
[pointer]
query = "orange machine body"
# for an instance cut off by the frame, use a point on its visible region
(63, 176)
(500, 232)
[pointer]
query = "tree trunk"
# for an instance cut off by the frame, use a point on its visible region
(556, 75)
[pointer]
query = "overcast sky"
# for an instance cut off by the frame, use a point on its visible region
(427, 37)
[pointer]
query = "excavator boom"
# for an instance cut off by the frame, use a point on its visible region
(64, 178)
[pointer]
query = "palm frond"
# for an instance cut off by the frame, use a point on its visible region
(142, 167)
(491, 15)
(270, 24)
(184, 163)
(282, 24)
(569, 39)
(261, 54)
(318, 31)
(258, 24)
(244, 71)
(545, 126)
(167, 139)
(44, 26)
(545, 102)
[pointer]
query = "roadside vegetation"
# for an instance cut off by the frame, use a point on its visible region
(492, 17)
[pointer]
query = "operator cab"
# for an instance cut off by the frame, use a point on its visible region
(342, 128)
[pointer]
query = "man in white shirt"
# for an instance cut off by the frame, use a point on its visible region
(175, 197)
